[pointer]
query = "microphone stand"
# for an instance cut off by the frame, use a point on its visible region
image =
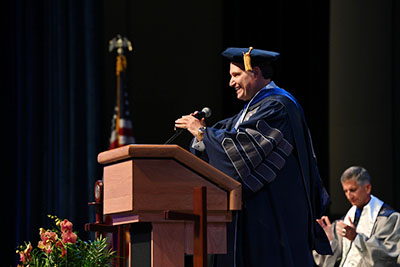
(176, 134)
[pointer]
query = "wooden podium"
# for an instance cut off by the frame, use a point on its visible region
(142, 182)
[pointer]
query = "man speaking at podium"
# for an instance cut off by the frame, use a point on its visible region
(268, 149)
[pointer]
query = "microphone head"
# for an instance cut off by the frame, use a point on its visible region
(206, 111)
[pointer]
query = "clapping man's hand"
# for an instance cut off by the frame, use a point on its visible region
(345, 230)
(327, 226)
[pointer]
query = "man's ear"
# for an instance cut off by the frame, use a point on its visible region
(257, 71)
(368, 187)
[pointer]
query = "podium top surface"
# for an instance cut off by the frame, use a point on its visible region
(180, 155)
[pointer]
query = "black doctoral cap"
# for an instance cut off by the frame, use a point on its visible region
(247, 55)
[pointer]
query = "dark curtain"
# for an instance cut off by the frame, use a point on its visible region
(51, 95)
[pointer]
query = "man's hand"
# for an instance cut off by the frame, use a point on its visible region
(327, 226)
(348, 231)
(191, 123)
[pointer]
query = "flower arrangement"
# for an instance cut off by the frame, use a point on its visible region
(62, 247)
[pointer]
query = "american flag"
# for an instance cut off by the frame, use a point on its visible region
(121, 124)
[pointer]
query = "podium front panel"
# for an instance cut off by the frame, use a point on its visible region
(118, 188)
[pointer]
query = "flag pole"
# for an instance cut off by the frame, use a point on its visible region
(119, 43)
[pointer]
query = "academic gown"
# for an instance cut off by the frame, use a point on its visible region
(270, 153)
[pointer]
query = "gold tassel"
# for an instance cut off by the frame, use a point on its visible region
(247, 60)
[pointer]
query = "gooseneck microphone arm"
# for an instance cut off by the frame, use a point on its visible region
(205, 112)
(176, 134)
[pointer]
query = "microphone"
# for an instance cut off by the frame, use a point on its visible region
(204, 113)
